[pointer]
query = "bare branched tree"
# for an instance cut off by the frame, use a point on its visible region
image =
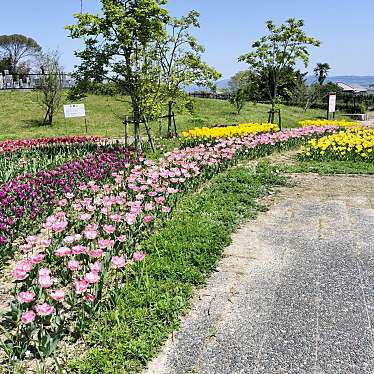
(50, 86)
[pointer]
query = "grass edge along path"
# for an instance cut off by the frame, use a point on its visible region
(329, 167)
(181, 256)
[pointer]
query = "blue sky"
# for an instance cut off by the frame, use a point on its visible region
(345, 28)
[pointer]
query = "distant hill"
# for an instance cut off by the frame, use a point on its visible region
(364, 81)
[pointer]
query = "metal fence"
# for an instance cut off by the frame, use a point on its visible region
(27, 81)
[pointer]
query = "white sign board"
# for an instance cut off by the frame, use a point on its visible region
(74, 110)
(332, 102)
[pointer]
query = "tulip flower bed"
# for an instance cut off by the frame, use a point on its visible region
(325, 122)
(32, 160)
(26, 200)
(86, 247)
(206, 134)
(356, 144)
(15, 145)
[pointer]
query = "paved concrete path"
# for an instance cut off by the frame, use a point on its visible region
(370, 120)
(294, 291)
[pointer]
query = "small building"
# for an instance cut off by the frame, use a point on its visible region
(352, 88)
(371, 90)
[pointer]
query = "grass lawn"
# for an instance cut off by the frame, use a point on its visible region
(20, 116)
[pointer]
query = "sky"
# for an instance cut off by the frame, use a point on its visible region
(228, 28)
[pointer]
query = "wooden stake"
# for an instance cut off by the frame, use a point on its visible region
(126, 124)
(147, 128)
(175, 126)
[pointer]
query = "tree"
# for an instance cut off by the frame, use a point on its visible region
(5, 64)
(321, 72)
(118, 49)
(17, 48)
(50, 85)
(179, 55)
(242, 88)
(283, 47)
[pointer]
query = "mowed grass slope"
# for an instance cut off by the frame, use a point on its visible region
(21, 116)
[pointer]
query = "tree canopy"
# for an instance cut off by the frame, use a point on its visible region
(180, 59)
(282, 48)
(16, 48)
(118, 48)
(321, 72)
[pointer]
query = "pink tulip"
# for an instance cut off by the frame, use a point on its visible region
(138, 256)
(109, 229)
(44, 272)
(31, 239)
(148, 207)
(147, 219)
(28, 317)
(85, 217)
(118, 262)
(90, 208)
(45, 243)
(77, 207)
(105, 243)
(62, 202)
(24, 266)
(160, 199)
(96, 267)
(81, 286)
(96, 253)
(45, 281)
(20, 275)
(63, 251)
(69, 239)
(58, 295)
(26, 247)
(92, 277)
(37, 259)
(122, 238)
(26, 297)
(59, 226)
(44, 310)
(90, 234)
(79, 249)
(166, 209)
(130, 219)
(73, 265)
(116, 217)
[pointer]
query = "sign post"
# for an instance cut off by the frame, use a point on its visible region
(332, 105)
(74, 111)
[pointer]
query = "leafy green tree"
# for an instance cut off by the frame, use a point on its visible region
(243, 87)
(180, 59)
(16, 48)
(5, 64)
(118, 48)
(321, 71)
(283, 47)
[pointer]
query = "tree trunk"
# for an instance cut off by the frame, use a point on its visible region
(170, 113)
(50, 118)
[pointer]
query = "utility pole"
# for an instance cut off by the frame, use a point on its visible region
(81, 6)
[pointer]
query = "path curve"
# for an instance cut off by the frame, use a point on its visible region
(294, 291)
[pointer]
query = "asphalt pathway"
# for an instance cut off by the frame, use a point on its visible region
(293, 293)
